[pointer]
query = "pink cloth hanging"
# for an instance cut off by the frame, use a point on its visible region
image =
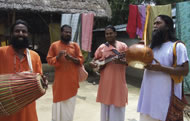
(142, 12)
(87, 27)
(134, 21)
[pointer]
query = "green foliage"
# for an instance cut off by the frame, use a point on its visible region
(85, 55)
(163, 2)
(120, 10)
(87, 63)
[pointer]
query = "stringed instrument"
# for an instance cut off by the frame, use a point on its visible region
(137, 56)
(101, 63)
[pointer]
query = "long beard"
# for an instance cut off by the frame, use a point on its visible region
(158, 38)
(66, 39)
(19, 43)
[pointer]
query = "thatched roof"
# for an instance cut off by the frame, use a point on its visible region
(101, 8)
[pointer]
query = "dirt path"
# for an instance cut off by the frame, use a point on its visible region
(86, 107)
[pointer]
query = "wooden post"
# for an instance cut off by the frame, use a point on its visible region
(13, 17)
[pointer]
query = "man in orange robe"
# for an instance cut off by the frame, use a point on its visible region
(112, 90)
(66, 57)
(13, 59)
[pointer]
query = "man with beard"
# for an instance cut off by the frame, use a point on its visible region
(66, 57)
(13, 58)
(155, 91)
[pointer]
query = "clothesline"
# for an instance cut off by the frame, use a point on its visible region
(82, 27)
(182, 17)
(141, 18)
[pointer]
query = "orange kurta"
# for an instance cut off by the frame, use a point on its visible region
(112, 88)
(7, 57)
(66, 82)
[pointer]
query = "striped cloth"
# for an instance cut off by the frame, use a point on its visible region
(73, 20)
(183, 32)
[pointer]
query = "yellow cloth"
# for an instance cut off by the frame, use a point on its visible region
(55, 32)
(154, 12)
(3, 43)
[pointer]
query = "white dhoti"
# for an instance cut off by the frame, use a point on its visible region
(144, 117)
(64, 110)
(112, 113)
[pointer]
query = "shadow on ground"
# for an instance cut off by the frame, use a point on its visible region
(134, 81)
(132, 120)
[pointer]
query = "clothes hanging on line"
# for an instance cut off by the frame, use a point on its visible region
(183, 33)
(154, 12)
(134, 21)
(54, 30)
(142, 12)
(141, 18)
(73, 21)
(87, 28)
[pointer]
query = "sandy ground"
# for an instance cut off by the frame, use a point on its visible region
(87, 109)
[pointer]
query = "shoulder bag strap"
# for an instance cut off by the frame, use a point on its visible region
(175, 64)
(174, 53)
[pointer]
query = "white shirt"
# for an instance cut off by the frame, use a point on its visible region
(156, 86)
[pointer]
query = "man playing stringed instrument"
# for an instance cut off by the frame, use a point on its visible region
(112, 91)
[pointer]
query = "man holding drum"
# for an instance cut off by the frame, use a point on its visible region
(112, 90)
(66, 57)
(13, 58)
(155, 91)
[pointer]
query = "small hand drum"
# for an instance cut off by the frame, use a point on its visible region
(18, 90)
(139, 55)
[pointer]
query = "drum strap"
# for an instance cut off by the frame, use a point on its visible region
(29, 59)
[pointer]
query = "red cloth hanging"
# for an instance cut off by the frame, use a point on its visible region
(134, 21)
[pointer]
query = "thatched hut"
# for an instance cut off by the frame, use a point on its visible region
(99, 7)
(40, 13)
